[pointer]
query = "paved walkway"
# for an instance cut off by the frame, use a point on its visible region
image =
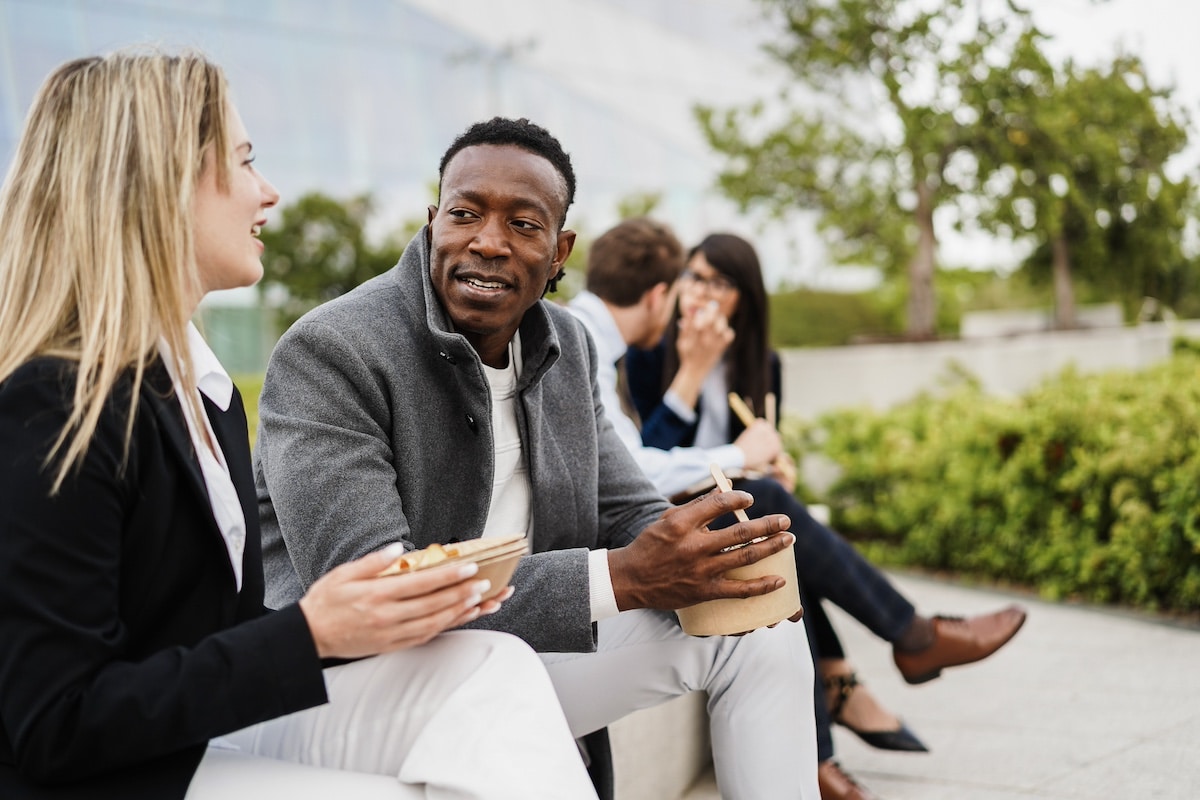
(1083, 704)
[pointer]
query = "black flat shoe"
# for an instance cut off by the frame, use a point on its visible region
(901, 739)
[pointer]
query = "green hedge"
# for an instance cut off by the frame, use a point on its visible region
(250, 385)
(1088, 487)
(809, 318)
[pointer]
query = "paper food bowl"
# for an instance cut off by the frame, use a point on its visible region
(743, 614)
(496, 556)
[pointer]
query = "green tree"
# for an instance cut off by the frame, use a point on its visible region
(1074, 159)
(320, 250)
(876, 190)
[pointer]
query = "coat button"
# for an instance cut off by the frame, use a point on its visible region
(448, 357)
(471, 423)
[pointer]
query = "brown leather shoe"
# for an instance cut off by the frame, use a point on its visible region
(837, 785)
(959, 641)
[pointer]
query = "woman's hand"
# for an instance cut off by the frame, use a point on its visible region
(352, 613)
(783, 470)
(700, 342)
(760, 445)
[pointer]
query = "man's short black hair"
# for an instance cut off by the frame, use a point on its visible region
(519, 133)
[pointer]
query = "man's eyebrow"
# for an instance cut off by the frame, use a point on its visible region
(481, 197)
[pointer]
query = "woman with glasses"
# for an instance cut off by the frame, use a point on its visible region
(680, 390)
(718, 345)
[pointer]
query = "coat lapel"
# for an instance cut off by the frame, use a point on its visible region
(160, 396)
(230, 429)
(159, 393)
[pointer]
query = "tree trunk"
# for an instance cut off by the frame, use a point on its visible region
(1064, 295)
(922, 302)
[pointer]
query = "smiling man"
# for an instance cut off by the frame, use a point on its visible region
(447, 400)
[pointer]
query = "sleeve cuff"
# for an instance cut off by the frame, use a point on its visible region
(600, 590)
(728, 456)
(679, 408)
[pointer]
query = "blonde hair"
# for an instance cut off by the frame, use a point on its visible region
(96, 241)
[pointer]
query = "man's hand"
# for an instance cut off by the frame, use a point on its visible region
(678, 562)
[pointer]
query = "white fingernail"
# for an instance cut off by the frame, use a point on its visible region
(482, 586)
(468, 569)
(393, 551)
(474, 600)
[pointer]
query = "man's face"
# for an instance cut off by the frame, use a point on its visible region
(666, 312)
(495, 242)
(658, 309)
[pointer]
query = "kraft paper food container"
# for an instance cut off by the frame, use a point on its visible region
(496, 557)
(499, 570)
(742, 614)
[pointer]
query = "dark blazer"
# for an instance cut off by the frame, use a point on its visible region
(124, 644)
(661, 427)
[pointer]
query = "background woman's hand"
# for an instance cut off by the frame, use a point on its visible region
(700, 342)
(352, 613)
(760, 445)
(783, 469)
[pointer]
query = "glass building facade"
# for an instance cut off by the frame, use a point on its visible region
(358, 96)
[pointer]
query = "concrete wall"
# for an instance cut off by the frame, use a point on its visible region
(988, 324)
(878, 376)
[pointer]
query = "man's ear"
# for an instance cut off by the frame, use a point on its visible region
(431, 212)
(657, 295)
(566, 241)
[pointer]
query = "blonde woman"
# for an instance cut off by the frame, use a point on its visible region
(138, 660)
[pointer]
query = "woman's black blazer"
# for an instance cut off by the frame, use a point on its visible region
(660, 426)
(124, 644)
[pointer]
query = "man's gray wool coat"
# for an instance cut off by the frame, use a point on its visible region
(375, 427)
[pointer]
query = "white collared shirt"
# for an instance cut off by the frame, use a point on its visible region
(214, 383)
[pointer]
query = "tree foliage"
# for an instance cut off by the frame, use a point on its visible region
(877, 178)
(1074, 159)
(971, 123)
(319, 249)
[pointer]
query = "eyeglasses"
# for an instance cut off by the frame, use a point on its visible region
(716, 284)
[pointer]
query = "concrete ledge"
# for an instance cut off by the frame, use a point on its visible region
(879, 376)
(659, 752)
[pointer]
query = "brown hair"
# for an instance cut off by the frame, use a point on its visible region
(631, 258)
